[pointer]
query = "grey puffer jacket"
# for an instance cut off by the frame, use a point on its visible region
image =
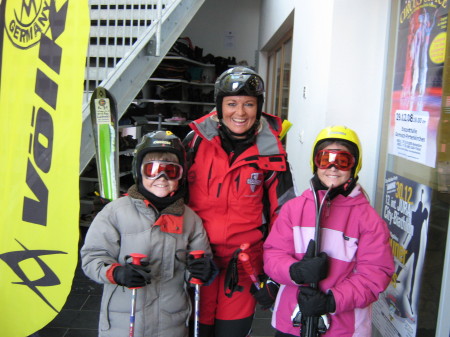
(128, 225)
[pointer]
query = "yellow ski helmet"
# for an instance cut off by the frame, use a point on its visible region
(338, 132)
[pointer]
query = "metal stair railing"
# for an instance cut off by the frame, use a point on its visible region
(128, 40)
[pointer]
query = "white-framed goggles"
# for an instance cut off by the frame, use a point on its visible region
(154, 169)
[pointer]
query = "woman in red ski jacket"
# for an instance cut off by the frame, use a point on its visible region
(238, 179)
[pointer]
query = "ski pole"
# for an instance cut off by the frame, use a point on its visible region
(196, 254)
(310, 328)
(244, 246)
(245, 259)
(136, 260)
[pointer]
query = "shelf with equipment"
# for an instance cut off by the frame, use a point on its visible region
(181, 90)
(200, 84)
(166, 101)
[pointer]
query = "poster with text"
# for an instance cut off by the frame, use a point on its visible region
(406, 209)
(417, 90)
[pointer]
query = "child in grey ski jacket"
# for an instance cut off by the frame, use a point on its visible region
(153, 220)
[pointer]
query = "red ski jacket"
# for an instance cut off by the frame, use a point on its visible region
(237, 202)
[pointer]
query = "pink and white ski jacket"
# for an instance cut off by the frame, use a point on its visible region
(361, 264)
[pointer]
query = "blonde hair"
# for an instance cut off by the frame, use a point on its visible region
(164, 156)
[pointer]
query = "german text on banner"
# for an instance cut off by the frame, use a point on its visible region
(43, 46)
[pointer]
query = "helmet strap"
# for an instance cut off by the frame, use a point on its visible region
(344, 189)
(230, 140)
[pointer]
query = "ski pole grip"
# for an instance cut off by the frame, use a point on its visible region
(136, 258)
(196, 254)
(244, 246)
(245, 259)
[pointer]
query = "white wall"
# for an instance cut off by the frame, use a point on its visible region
(338, 60)
(273, 15)
(211, 27)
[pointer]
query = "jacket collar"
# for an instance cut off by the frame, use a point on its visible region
(177, 208)
(267, 142)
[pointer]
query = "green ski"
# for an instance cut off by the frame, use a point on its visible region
(104, 124)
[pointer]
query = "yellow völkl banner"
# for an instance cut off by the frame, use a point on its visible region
(43, 46)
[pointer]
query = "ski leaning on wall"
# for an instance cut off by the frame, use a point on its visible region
(105, 128)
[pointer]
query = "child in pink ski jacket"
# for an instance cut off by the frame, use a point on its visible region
(354, 263)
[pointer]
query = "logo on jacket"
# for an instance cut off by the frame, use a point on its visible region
(254, 180)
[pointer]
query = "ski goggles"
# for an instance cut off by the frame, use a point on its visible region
(342, 160)
(251, 84)
(154, 169)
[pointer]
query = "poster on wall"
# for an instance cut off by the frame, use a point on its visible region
(406, 209)
(417, 90)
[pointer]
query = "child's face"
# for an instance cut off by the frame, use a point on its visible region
(161, 187)
(332, 175)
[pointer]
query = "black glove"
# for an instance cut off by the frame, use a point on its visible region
(267, 294)
(310, 269)
(200, 268)
(313, 302)
(132, 275)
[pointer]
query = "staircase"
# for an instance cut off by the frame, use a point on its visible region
(128, 40)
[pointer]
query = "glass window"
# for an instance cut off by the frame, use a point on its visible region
(413, 186)
(279, 76)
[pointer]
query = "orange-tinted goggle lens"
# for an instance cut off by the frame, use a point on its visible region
(342, 160)
(155, 169)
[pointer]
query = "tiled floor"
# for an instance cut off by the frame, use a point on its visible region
(79, 316)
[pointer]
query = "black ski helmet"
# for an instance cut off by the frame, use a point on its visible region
(239, 81)
(157, 141)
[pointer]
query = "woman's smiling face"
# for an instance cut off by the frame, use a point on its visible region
(239, 112)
